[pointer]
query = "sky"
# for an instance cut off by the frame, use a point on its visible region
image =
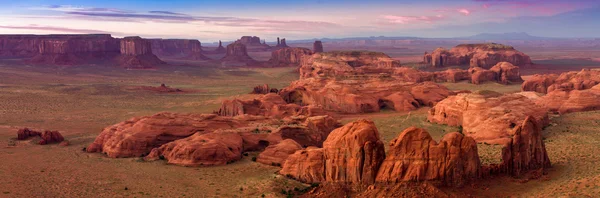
(213, 20)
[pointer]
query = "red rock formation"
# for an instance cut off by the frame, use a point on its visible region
(363, 96)
(49, 137)
(568, 101)
(161, 89)
(201, 150)
(307, 165)
(526, 150)
(138, 136)
(26, 133)
(250, 40)
(290, 56)
(237, 55)
(341, 64)
(263, 89)
(277, 154)
(477, 55)
(507, 73)
(221, 49)
(281, 43)
(351, 154)
(584, 79)
(268, 105)
(318, 47)
(479, 75)
(312, 132)
(452, 75)
(487, 116)
(137, 53)
(178, 48)
(415, 156)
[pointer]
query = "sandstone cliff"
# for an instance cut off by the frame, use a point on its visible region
(477, 55)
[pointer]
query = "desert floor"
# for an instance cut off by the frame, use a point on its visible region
(80, 101)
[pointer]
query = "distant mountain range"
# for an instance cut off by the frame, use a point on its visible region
(505, 36)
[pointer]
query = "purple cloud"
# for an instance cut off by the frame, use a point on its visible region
(167, 13)
(56, 29)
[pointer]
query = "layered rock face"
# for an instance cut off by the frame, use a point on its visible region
(351, 154)
(584, 79)
(289, 56)
(237, 55)
(206, 139)
(526, 150)
(178, 48)
(268, 105)
(318, 47)
(477, 55)
(137, 53)
(250, 40)
(340, 64)
(487, 116)
(415, 156)
(568, 101)
(77, 46)
(277, 154)
(201, 150)
(363, 95)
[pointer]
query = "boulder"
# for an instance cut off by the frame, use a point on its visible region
(271, 105)
(415, 156)
(539, 83)
(263, 89)
(526, 150)
(306, 165)
(50, 137)
(201, 150)
(26, 133)
(277, 154)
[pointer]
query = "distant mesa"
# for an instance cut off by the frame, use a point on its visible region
(79, 49)
(137, 53)
(289, 56)
(483, 55)
(178, 49)
(318, 47)
(237, 56)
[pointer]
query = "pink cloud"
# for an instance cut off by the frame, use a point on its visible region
(485, 6)
(464, 11)
(413, 19)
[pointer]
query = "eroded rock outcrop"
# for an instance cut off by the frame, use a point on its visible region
(263, 89)
(567, 101)
(477, 55)
(351, 154)
(201, 150)
(507, 73)
(348, 63)
(268, 105)
(318, 47)
(289, 56)
(46, 137)
(138, 136)
(237, 55)
(281, 43)
(363, 95)
(526, 150)
(137, 53)
(584, 79)
(178, 48)
(277, 154)
(415, 156)
(487, 116)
